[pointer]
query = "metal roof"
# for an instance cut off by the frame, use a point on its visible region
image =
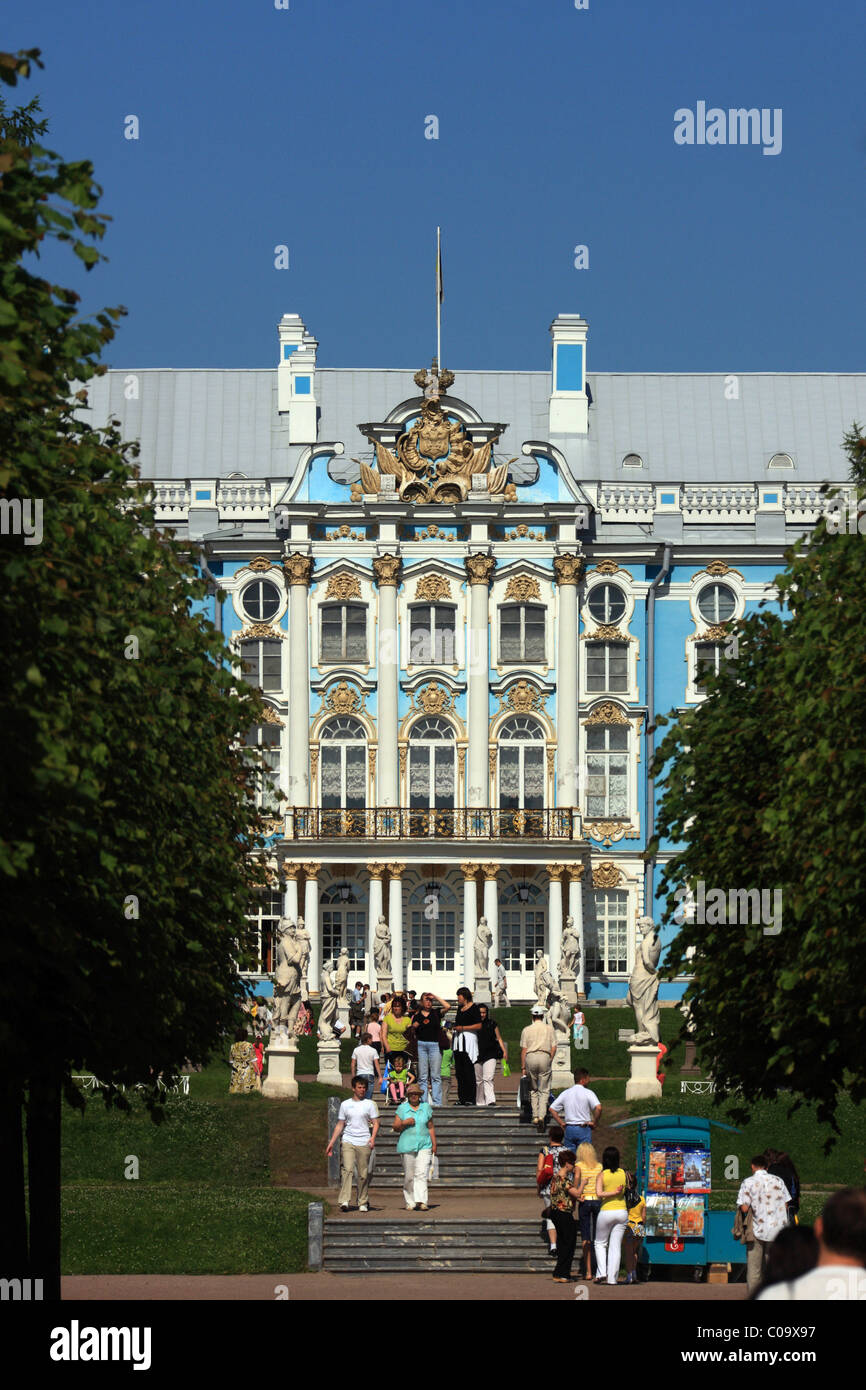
(211, 423)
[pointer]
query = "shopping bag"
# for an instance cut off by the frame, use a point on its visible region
(506, 1070)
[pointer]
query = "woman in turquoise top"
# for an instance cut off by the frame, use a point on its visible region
(416, 1144)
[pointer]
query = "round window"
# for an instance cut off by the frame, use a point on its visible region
(716, 603)
(606, 603)
(261, 600)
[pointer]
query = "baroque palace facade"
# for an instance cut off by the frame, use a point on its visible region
(465, 602)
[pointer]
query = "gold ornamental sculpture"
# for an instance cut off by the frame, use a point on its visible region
(435, 460)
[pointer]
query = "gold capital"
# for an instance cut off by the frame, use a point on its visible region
(311, 870)
(386, 569)
(555, 871)
(396, 870)
(490, 870)
(291, 871)
(376, 870)
(298, 568)
(576, 871)
(479, 568)
(568, 569)
(469, 870)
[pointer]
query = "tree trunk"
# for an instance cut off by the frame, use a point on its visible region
(43, 1162)
(14, 1263)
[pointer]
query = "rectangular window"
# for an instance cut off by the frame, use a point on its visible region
(607, 666)
(521, 633)
(606, 937)
(708, 659)
(606, 772)
(263, 926)
(344, 926)
(344, 632)
(262, 663)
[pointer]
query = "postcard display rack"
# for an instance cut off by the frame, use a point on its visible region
(674, 1173)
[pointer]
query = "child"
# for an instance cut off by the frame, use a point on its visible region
(365, 1065)
(399, 1078)
(259, 1050)
(374, 1028)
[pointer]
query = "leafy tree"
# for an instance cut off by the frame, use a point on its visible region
(126, 818)
(764, 789)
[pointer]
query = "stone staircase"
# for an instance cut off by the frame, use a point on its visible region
(479, 1147)
(371, 1245)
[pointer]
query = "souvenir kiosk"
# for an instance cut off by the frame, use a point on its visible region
(673, 1172)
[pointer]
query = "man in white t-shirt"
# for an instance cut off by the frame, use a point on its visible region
(768, 1198)
(577, 1110)
(358, 1123)
(365, 1063)
(840, 1272)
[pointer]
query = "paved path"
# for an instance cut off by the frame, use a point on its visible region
(349, 1288)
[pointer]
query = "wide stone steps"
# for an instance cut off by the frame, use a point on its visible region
(387, 1246)
(476, 1149)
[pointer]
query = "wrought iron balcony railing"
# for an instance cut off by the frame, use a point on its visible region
(402, 823)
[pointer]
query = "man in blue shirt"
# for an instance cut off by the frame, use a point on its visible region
(577, 1110)
(416, 1144)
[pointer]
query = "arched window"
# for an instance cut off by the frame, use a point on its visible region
(343, 761)
(606, 771)
(432, 944)
(344, 632)
(521, 633)
(606, 935)
(431, 634)
(521, 764)
(521, 926)
(344, 923)
(265, 739)
(432, 765)
(262, 663)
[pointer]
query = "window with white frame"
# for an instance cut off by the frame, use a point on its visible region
(432, 765)
(521, 925)
(263, 921)
(432, 943)
(432, 629)
(264, 739)
(606, 936)
(607, 771)
(521, 633)
(716, 603)
(262, 663)
(708, 660)
(607, 666)
(260, 600)
(343, 765)
(606, 603)
(344, 632)
(344, 923)
(521, 764)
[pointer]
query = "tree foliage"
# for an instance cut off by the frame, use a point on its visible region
(763, 788)
(125, 811)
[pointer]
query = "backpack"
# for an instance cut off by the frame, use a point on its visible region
(547, 1170)
(631, 1194)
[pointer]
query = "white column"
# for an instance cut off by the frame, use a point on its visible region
(491, 907)
(554, 915)
(470, 923)
(568, 570)
(375, 911)
(298, 569)
(386, 568)
(395, 922)
(311, 922)
(575, 908)
(479, 568)
(290, 900)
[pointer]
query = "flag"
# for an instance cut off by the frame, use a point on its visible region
(440, 290)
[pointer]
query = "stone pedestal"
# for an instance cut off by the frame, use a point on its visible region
(280, 1083)
(562, 1075)
(481, 992)
(643, 1081)
(384, 985)
(329, 1062)
(343, 1017)
(688, 1067)
(568, 988)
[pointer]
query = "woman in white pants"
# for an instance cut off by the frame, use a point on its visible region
(612, 1218)
(490, 1049)
(416, 1143)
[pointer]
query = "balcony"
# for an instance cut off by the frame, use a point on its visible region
(393, 823)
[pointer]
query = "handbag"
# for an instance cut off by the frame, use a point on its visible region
(546, 1173)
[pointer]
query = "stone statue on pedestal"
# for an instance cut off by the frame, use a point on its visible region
(342, 976)
(545, 985)
(329, 1002)
(483, 941)
(643, 986)
(302, 936)
(570, 957)
(382, 947)
(559, 1013)
(287, 981)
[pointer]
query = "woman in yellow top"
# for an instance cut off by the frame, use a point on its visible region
(395, 1026)
(633, 1240)
(612, 1219)
(588, 1169)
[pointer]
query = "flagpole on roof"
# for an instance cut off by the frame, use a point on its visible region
(439, 298)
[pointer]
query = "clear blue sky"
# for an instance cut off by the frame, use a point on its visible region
(305, 127)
